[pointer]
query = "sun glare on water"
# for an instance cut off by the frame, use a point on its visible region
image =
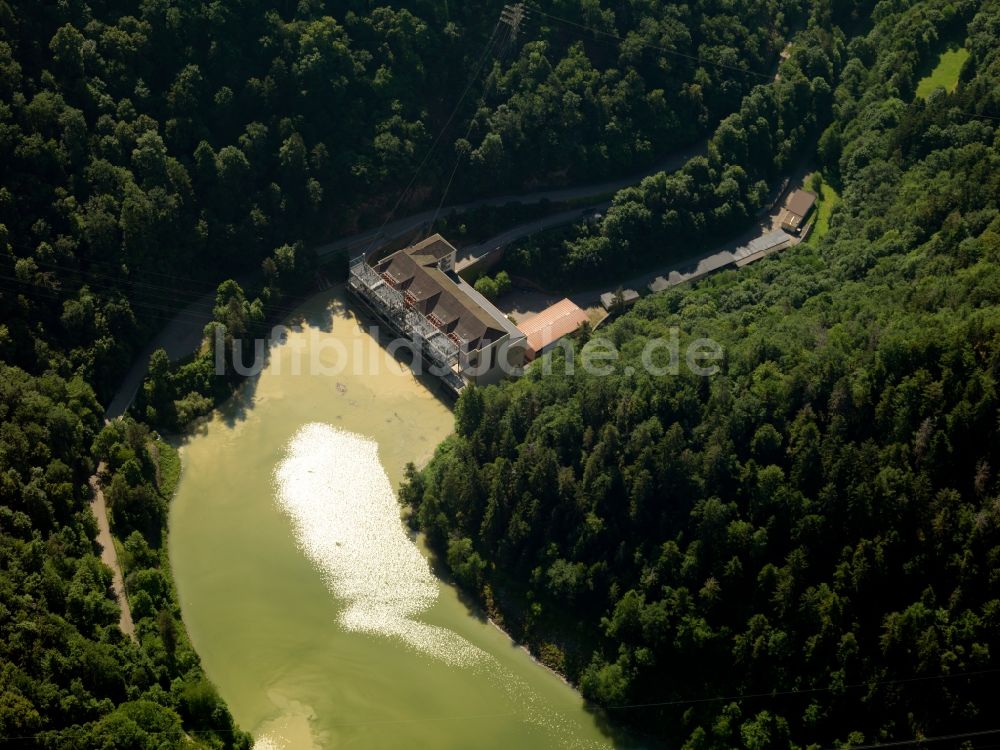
(346, 520)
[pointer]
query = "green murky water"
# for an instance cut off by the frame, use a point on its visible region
(313, 610)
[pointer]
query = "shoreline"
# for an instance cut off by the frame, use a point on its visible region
(442, 574)
(562, 678)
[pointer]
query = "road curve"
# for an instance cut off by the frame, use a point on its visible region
(182, 335)
(375, 238)
(471, 253)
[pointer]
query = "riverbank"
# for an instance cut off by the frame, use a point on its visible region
(109, 552)
(555, 673)
(182, 336)
(137, 476)
(247, 585)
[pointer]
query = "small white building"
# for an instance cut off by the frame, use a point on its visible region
(796, 210)
(629, 296)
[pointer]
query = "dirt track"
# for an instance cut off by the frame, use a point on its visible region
(109, 555)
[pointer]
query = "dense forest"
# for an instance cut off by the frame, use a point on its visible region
(777, 126)
(69, 677)
(150, 150)
(147, 145)
(822, 515)
(802, 550)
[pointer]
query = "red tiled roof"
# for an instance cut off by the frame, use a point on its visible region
(551, 324)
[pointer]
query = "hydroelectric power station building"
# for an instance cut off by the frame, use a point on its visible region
(417, 294)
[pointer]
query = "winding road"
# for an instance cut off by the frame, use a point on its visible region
(376, 238)
(182, 335)
(373, 239)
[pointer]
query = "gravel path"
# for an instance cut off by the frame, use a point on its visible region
(109, 556)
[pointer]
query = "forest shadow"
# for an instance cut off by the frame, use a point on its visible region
(320, 311)
(403, 356)
(319, 315)
(620, 735)
(315, 311)
(238, 406)
(441, 572)
(927, 66)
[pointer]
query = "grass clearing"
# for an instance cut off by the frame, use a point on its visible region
(170, 468)
(828, 198)
(945, 73)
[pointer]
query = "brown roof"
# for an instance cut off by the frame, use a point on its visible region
(434, 246)
(800, 202)
(414, 270)
(401, 268)
(551, 324)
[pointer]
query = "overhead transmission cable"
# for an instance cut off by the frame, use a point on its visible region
(870, 746)
(804, 691)
(151, 297)
(666, 50)
(151, 292)
(510, 32)
(468, 87)
(696, 58)
(925, 740)
(115, 269)
(156, 308)
(510, 20)
(108, 281)
(14, 286)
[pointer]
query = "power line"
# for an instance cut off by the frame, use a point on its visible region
(922, 740)
(106, 267)
(44, 293)
(971, 114)
(465, 717)
(510, 19)
(107, 281)
(805, 691)
(508, 34)
(665, 50)
(512, 16)
(340, 725)
(156, 297)
(156, 307)
(161, 293)
(444, 128)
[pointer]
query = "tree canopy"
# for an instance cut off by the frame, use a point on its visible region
(820, 519)
(802, 550)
